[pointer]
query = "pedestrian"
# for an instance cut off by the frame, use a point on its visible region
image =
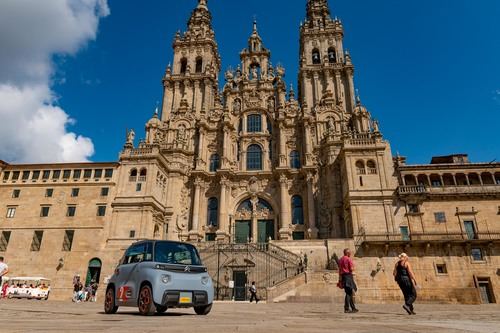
(346, 281)
(253, 291)
(4, 269)
(403, 274)
(94, 286)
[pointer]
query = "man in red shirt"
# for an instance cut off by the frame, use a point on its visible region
(346, 281)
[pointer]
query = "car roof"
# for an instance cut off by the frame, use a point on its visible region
(159, 241)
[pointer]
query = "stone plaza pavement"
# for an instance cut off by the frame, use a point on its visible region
(52, 316)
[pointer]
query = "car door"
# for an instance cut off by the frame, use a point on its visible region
(126, 292)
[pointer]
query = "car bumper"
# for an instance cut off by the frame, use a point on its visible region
(172, 298)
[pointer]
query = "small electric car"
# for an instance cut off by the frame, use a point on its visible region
(156, 275)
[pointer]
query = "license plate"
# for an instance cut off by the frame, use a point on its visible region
(185, 298)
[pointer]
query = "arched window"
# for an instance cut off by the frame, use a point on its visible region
(214, 162)
(199, 65)
(133, 173)
(213, 212)
(143, 172)
(372, 167)
(316, 57)
(295, 160)
(360, 168)
(332, 56)
(254, 123)
(297, 210)
(254, 157)
(184, 64)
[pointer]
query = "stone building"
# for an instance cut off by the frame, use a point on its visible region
(256, 163)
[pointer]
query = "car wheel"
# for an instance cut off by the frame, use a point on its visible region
(161, 309)
(146, 303)
(203, 310)
(110, 306)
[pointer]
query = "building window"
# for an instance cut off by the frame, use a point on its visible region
(56, 174)
(6, 175)
(71, 211)
(36, 243)
(4, 241)
(441, 269)
(297, 210)
(254, 123)
(15, 175)
(35, 175)
(440, 217)
(214, 162)
(131, 234)
(101, 210)
(16, 193)
(477, 254)
(104, 191)
(97, 173)
(210, 237)
(138, 187)
(316, 58)
(75, 192)
(142, 174)
(66, 174)
(108, 173)
(46, 174)
(26, 175)
(87, 173)
(49, 192)
(372, 167)
(254, 158)
(44, 211)
(199, 65)
(11, 212)
(184, 63)
(405, 233)
(413, 208)
(77, 174)
(295, 160)
(360, 168)
(212, 212)
(68, 240)
(332, 56)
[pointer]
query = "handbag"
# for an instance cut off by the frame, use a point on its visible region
(340, 285)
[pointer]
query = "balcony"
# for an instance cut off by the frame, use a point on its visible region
(449, 190)
(435, 237)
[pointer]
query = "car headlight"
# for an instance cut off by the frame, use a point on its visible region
(166, 278)
(205, 280)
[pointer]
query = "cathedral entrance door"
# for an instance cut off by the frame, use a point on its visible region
(242, 232)
(265, 230)
(240, 285)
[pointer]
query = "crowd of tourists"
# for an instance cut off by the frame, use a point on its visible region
(84, 294)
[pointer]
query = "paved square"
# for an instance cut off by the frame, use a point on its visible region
(52, 316)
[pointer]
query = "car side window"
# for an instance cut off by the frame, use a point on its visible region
(138, 253)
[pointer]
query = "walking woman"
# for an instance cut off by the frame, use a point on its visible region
(403, 274)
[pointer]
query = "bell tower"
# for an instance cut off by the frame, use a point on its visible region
(192, 80)
(326, 70)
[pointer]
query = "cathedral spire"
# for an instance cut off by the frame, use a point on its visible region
(318, 10)
(202, 4)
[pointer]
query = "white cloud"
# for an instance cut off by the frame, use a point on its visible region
(32, 127)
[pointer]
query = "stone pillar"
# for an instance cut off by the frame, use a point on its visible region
(317, 96)
(194, 232)
(201, 150)
(307, 130)
(206, 96)
(313, 231)
(225, 146)
(196, 98)
(177, 95)
(283, 154)
(285, 218)
(167, 102)
(223, 231)
(350, 74)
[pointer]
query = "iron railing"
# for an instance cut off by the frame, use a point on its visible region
(234, 266)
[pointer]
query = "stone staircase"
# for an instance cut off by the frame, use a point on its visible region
(309, 287)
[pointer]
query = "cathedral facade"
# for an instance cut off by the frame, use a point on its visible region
(258, 163)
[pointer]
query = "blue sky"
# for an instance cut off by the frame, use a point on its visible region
(428, 70)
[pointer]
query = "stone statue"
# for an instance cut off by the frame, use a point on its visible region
(130, 137)
(254, 73)
(236, 106)
(376, 128)
(331, 124)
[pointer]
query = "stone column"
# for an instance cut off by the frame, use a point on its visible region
(196, 98)
(350, 74)
(317, 96)
(194, 232)
(283, 154)
(223, 231)
(313, 231)
(201, 150)
(285, 218)
(307, 130)
(206, 96)
(177, 95)
(167, 102)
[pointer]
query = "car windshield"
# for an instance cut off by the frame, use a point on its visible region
(176, 253)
